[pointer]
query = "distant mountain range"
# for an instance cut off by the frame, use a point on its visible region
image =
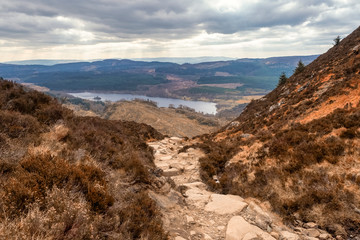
(178, 60)
(224, 79)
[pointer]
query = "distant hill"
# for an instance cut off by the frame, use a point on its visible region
(298, 147)
(179, 122)
(209, 80)
(46, 62)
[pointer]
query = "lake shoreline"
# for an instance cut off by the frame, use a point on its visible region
(198, 106)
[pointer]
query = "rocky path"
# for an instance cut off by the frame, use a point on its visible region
(192, 212)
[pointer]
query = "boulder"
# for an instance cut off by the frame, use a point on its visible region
(238, 228)
(197, 197)
(257, 216)
(225, 204)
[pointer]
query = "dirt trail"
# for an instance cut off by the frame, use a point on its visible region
(192, 212)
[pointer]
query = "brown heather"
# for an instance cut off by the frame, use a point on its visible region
(68, 177)
(298, 147)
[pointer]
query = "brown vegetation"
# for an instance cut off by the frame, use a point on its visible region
(298, 147)
(68, 177)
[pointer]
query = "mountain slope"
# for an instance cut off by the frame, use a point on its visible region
(68, 177)
(298, 147)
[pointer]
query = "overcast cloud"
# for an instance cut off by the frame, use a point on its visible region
(89, 29)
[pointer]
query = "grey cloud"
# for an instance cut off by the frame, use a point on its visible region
(120, 20)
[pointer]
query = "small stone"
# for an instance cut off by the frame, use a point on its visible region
(310, 225)
(166, 158)
(190, 220)
(179, 238)
(324, 236)
(312, 232)
(221, 228)
(207, 237)
(192, 233)
(275, 235)
(285, 235)
(171, 172)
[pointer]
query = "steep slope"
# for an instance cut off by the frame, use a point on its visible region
(68, 177)
(298, 147)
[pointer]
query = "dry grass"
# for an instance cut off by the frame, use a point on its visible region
(58, 182)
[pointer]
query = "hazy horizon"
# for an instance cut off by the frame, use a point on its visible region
(84, 30)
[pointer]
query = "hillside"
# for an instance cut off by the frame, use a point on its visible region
(298, 147)
(69, 177)
(179, 122)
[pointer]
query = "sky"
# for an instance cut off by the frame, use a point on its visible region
(100, 29)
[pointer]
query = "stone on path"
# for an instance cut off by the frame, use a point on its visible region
(238, 228)
(171, 172)
(197, 197)
(166, 158)
(288, 235)
(225, 204)
(179, 238)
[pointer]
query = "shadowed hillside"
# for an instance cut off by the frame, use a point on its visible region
(298, 147)
(68, 177)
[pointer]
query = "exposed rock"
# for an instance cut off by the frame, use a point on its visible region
(197, 197)
(285, 235)
(257, 216)
(179, 238)
(162, 201)
(171, 172)
(166, 158)
(225, 204)
(312, 232)
(251, 236)
(275, 235)
(190, 220)
(245, 135)
(238, 227)
(324, 236)
(310, 225)
(176, 139)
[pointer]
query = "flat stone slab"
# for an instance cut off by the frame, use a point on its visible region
(197, 197)
(238, 229)
(171, 172)
(166, 158)
(225, 204)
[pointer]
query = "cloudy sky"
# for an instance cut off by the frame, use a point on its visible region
(95, 29)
